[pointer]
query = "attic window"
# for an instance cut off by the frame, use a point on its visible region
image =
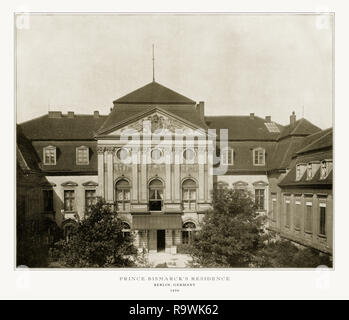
(50, 155)
(272, 127)
(82, 155)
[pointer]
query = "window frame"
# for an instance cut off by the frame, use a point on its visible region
(308, 204)
(259, 189)
(125, 204)
(190, 161)
(225, 157)
(79, 149)
(190, 190)
(50, 148)
(258, 157)
(297, 213)
(157, 189)
(288, 213)
(323, 222)
(71, 198)
(88, 207)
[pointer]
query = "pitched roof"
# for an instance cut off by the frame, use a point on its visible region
(122, 113)
(80, 127)
(26, 155)
(319, 141)
(302, 127)
(154, 93)
(290, 178)
(243, 127)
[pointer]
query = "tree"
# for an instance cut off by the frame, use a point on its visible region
(97, 241)
(232, 232)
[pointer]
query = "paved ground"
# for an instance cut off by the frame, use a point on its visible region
(172, 260)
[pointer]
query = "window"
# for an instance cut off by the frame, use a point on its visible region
(69, 200)
(189, 155)
(189, 195)
(288, 214)
(322, 219)
(50, 155)
(272, 127)
(309, 217)
(156, 155)
(90, 199)
(259, 198)
(123, 195)
(48, 200)
(188, 232)
(227, 157)
(259, 157)
(298, 172)
(326, 167)
(155, 195)
(122, 154)
(297, 214)
(173, 237)
(82, 155)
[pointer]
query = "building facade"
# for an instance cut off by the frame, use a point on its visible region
(157, 158)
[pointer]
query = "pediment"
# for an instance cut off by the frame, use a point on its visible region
(157, 122)
(69, 184)
(90, 184)
(260, 184)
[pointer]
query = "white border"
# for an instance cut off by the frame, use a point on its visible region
(105, 284)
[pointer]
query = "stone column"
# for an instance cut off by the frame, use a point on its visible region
(168, 161)
(201, 160)
(209, 172)
(135, 155)
(100, 152)
(144, 181)
(177, 176)
(110, 174)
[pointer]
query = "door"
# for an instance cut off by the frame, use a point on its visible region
(161, 240)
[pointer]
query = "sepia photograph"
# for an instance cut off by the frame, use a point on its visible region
(188, 141)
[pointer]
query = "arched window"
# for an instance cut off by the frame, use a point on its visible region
(156, 194)
(189, 195)
(122, 195)
(188, 232)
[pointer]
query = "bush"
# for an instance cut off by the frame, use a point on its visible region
(97, 241)
(184, 248)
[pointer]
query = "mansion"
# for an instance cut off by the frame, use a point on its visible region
(157, 158)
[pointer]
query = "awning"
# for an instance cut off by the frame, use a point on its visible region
(161, 222)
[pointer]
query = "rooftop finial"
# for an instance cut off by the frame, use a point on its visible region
(153, 65)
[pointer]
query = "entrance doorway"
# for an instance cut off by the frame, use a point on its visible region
(160, 240)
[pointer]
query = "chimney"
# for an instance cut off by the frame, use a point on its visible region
(96, 114)
(70, 114)
(268, 118)
(201, 108)
(55, 114)
(293, 119)
(252, 116)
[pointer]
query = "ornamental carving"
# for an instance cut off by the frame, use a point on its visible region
(100, 150)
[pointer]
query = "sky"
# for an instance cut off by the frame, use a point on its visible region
(267, 64)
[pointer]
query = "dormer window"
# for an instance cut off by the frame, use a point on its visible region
(300, 168)
(325, 168)
(259, 157)
(309, 171)
(227, 157)
(82, 155)
(49, 155)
